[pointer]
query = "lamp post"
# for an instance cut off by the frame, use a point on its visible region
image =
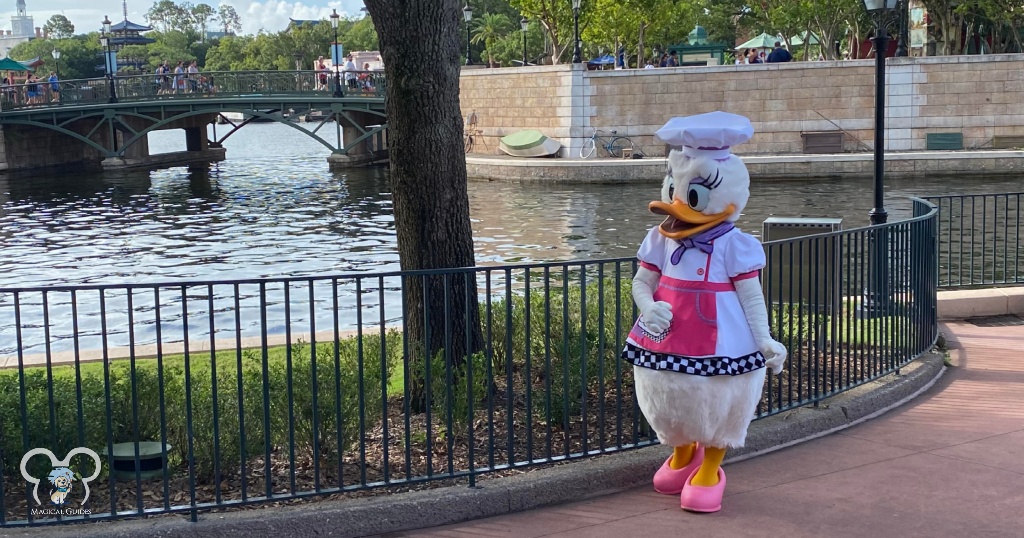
(523, 25)
(903, 39)
(109, 62)
(56, 59)
(878, 302)
(56, 69)
(467, 13)
(335, 54)
(576, 58)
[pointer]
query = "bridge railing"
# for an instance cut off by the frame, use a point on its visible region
(150, 86)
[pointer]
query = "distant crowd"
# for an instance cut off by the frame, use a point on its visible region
(33, 90)
(355, 79)
(746, 57)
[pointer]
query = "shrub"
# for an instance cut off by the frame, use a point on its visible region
(567, 330)
(189, 404)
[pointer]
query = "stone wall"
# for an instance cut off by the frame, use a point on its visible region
(505, 101)
(976, 96)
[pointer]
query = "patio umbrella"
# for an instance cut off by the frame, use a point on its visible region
(8, 64)
(798, 40)
(607, 59)
(763, 41)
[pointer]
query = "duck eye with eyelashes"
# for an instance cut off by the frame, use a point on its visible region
(698, 196)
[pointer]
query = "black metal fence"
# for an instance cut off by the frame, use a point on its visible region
(279, 389)
(979, 240)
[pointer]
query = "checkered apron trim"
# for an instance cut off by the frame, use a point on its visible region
(706, 366)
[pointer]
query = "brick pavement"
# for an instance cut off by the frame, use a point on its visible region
(949, 463)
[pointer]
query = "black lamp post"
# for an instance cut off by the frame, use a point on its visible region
(56, 69)
(523, 25)
(903, 39)
(109, 62)
(335, 56)
(880, 9)
(878, 301)
(576, 57)
(467, 13)
(56, 59)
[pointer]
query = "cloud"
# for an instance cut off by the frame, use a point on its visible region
(270, 15)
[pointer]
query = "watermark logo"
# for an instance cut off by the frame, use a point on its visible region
(61, 482)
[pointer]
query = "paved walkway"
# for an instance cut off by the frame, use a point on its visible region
(949, 463)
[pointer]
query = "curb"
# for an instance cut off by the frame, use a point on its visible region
(558, 484)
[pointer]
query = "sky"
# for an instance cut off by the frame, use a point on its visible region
(271, 15)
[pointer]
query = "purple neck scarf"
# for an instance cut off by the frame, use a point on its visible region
(702, 241)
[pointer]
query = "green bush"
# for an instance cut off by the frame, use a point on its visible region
(568, 330)
(190, 406)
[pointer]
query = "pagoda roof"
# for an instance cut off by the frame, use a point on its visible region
(303, 22)
(131, 40)
(129, 26)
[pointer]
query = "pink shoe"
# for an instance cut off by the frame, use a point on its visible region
(703, 498)
(671, 481)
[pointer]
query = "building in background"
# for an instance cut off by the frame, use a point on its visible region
(22, 29)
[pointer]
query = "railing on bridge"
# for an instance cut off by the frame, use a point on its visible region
(275, 389)
(150, 87)
(980, 239)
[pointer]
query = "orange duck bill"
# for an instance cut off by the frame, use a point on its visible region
(684, 221)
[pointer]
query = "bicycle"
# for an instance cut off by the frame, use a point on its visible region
(614, 147)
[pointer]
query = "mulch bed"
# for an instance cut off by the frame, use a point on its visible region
(811, 372)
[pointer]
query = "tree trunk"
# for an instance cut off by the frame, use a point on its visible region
(641, 55)
(420, 46)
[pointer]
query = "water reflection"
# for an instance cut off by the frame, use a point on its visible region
(273, 210)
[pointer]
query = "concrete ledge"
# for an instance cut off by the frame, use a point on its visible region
(793, 166)
(568, 482)
(966, 304)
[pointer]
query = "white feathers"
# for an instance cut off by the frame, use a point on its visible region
(683, 408)
(727, 178)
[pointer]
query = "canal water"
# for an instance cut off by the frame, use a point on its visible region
(273, 209)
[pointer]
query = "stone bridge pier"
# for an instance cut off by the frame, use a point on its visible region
(198, 148)
(363, 140)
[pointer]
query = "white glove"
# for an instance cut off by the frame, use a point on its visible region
(775, 353)
(656, 315)
(754, 309)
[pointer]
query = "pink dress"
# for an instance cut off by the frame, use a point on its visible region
(708, 334)
(700, 379)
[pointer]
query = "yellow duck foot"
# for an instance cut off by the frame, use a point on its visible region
(707, 475)
(682, 456)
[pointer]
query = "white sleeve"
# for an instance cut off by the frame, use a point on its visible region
(744, 257)
(754, 309)
(652, 251)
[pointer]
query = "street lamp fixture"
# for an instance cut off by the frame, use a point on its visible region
(109, 62)
(877, 303)
(523, 25)
(56, 58)
(335, 54)
(467, 13)
(576, 57)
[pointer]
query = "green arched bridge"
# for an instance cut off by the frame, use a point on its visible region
(110, 122)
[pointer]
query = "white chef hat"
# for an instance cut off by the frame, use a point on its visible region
(709, 135)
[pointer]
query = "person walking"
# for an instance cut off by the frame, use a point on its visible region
(179, 77)
(193, 77)
(54, 87)
(779, 55)
(351, 79)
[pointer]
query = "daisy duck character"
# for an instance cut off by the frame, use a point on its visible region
(701, 344)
